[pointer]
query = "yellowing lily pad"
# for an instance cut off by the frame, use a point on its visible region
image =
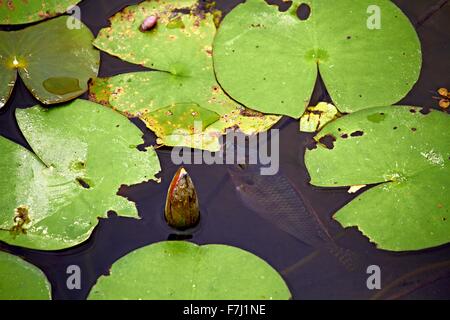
(184, 271)
(27, 11)
(83, 153)
(181, 124)
(269, 60)
(179, 47)
(20, 280)
(54, 62)
(406, 155)
(316, 117)
(184, 119)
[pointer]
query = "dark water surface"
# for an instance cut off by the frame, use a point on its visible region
(309, 273)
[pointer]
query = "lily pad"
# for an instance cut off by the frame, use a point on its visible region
(20, 11)
(179, 48)
(84, 153)
(316, 117)
(168, 121)
(184, 271)
(54, 62)
(20, 280)
(406, 155)
(269, 60)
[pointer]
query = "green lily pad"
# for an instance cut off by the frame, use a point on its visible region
(269, 60)
(27, 11)
(184, 271)
(54, 62)
(20, 280)
(84, 153)
(179, 47)
(406, 155)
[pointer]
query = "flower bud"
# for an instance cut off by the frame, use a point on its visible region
(182, 210)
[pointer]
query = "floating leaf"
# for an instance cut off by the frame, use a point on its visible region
(315, 118)
(20, 280)
(179, 46)
(27, 11)
(406, 153)
(7, 79)
(55, 62)
(84, 154)
(185, 271)
(181, 119)
(269, 60)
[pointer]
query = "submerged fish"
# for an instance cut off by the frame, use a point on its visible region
(276, 200)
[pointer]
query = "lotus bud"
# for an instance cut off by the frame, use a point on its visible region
(149, 23)
(182, 210)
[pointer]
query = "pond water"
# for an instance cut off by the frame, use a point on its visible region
(311, 273)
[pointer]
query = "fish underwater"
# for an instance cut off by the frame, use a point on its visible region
(277, 201)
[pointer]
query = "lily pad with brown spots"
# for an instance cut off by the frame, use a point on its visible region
(405, 155)
(27, 11)
(179, 49)
(316, 117)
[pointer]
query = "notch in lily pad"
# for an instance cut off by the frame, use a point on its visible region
(182, 87)
(54, 62)
(404, 155)
(360, 67)
(51, 198)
